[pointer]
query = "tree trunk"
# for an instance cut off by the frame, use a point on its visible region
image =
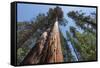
(54, 47)
(34, 55)
(47, 49)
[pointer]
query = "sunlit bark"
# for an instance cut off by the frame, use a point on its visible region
(55, 46)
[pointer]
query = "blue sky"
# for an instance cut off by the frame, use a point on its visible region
(27, 12)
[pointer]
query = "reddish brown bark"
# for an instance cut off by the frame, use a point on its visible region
(54, 46)
(47, 49)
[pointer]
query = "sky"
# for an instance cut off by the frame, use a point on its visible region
(28, 12)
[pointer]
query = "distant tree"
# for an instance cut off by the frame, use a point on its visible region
(85, 42)
(81, 19)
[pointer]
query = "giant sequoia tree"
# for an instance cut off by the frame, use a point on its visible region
(48, 47)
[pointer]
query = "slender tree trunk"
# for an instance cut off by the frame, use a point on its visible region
(47, 49)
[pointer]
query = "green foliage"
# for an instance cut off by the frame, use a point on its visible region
(21, 53)
(85, 44)
(72, 30)
(23, 36)
(56, 14)
(81, 19)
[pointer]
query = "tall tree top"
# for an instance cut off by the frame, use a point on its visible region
(56, 14)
